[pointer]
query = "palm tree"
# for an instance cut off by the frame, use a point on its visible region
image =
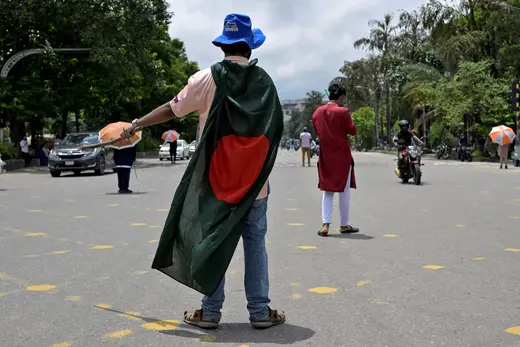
(381, 39)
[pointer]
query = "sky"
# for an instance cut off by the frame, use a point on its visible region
(307, 40)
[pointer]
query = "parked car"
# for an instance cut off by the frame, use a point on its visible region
(2, 164)
(192, 147)
(66, 156)
(183, 151)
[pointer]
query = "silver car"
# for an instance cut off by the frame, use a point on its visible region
(183, 151)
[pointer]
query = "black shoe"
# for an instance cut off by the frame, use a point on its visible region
(125, 191)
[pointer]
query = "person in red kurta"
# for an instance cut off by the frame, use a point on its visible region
(333, 124)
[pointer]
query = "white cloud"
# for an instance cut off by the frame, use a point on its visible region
(307, 40)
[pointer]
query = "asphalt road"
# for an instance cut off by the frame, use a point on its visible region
(433, 265)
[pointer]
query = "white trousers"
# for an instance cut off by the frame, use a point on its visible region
(344, 205)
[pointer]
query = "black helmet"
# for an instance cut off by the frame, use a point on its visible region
(404, 124)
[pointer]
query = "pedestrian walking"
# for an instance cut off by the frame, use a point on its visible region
(24, 150)
(333, 124)
(246, 120)
(306, 140)
(173, 151)
(124, 160)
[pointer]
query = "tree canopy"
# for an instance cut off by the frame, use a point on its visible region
(132, 67)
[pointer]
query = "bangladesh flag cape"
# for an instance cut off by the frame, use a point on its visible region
(233, 160)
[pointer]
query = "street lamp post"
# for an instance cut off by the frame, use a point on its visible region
(11, 62)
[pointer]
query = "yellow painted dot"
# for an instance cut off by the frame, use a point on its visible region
(40, 288)
(295, 224)
(34, 234)
(140, 272)
(243, 346)
(138, 224)
(291, 209)
(154, 226)
(102, 306)
(460, 225)
(131, 315)
(118, 334)
(513, 330)
(80, 217)
(362, 283)
(162, 325)
(162, 210)
(61, 252)
(101, 247)
(73, 298)
(323, 290)
(62, 344)
(69, 200)
(296, 296)
(207, 338)
(433, 267)
(153, 241)
(113, 205)
(512, 249)
(294, 284)
(307, 247)
(478, 258)
(390, 235)
(2, 276)
(32, 256)
(35, 211)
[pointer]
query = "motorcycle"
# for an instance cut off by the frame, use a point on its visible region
(465, 154)
(443, 151)
(410, 164)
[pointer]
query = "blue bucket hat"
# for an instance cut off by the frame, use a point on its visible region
(237, 28)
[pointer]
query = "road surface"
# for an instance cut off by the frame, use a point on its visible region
(433, 265)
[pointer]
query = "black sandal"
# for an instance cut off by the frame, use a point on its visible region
(321, 232)
(348, 230)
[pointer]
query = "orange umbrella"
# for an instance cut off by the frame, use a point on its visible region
(502, 135)
(170, 136)
(110, 136)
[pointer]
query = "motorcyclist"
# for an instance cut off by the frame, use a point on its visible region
(463, 143)
(404, 138)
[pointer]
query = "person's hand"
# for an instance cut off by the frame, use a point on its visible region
(128, 132)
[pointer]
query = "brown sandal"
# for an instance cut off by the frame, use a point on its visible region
(195, 318)
(275, 318)
(324, 231)
(348, 229)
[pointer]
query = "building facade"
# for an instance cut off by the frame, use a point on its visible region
(289, 106)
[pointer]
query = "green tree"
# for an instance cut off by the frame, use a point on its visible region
(364, 119)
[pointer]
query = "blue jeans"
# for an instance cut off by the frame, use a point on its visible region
(256, 278)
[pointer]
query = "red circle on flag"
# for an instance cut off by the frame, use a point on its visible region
(235, 165)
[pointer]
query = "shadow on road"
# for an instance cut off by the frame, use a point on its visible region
(351, 236)
(239, 333)
(242, 333)
(134, 193)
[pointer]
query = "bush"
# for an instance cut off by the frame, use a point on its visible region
(149, 145)
(7, 152)
(477, 154)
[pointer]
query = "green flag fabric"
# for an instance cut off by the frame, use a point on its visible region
(233, 160)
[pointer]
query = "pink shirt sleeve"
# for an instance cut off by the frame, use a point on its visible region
(194, 96)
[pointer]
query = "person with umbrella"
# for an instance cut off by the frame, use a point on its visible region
(503, 136)
(171, 137)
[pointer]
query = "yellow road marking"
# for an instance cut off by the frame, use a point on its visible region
(514, 217)
(80, 217)
(32, 256)
(153, 241)
(433, 267)
(460, 225)
(61, 252)
(162, 210)
(140, 272)
(101, 247)
(291, 209)
(362, 283)
(40, 288)
(113, 205)
(118, 334)
(323, 290)
(161, 325)
(73, 298)
(35, 210)
(307, 247)
(294, 284)
(295, 224)
(513, 330)
(154, 226)
(34, 234)
(63, 344)
(512, 249)
(390, 235)
(296, 296)
(102, 306)
(478, 258)
(131, 315)
(138, 224)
